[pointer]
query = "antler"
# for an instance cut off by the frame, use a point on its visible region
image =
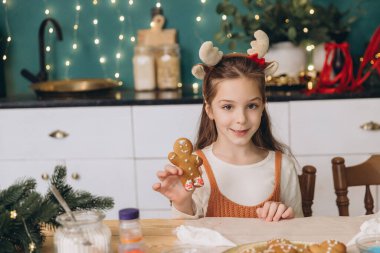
(209, 54)
(260, 45)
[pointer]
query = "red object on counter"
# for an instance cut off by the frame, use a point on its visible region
(372, 50)
(328, 83)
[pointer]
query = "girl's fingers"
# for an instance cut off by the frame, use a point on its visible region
(272, 211)
(264, 210)
(173, 170)
(280, 211)
(288, 213)
(162, 175)
(156, 186)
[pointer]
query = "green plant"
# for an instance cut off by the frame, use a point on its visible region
(297, 21)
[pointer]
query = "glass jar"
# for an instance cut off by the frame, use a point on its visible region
(87, 234)
(144, 68)
(168, 67)
(130, 232)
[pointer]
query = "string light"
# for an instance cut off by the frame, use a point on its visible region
(224, 17)
(9, 37)
(199, 19)
(257, 17)
(311, 11)
(13, 214)
(305, 30)
(75, 44)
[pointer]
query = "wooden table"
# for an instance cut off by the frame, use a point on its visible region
(159, 233)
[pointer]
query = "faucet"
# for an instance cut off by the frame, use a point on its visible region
(42, 75)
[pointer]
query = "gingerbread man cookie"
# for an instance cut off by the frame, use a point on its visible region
(183, 158)
(329, 246)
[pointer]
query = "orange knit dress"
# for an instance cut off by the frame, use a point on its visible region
(220, 206)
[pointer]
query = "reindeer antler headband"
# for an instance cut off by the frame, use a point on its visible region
(211, 55)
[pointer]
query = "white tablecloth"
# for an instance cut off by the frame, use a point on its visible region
(311, 229)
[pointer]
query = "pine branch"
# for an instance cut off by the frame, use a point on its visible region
(11, 196)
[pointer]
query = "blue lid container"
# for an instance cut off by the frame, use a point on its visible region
(129, 214)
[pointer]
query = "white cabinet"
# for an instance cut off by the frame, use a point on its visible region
(97, 149)
(323, 129)
(91, 133)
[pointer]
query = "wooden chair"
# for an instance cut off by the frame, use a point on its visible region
(364, 174)
(307, 185)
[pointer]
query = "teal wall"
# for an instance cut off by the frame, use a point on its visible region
(25, 16)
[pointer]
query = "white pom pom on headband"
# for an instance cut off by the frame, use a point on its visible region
(211, 55)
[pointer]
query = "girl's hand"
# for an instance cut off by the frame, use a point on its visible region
(274, 211)
(171, 187)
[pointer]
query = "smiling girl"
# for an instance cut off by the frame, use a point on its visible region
(247, 172)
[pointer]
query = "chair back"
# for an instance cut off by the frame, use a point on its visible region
(307, 186)
(364, 174)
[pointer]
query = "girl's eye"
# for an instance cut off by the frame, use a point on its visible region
(252, 106)
(227, 107)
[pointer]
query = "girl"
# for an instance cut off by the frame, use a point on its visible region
(245, 170)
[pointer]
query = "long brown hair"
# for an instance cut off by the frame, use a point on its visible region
(230, 67)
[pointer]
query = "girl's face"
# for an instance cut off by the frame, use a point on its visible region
(236, 110)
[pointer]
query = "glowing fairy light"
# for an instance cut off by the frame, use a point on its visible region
(67, 63)
(133, 39)
(310, 67)
(310, 48)
(94, 2)
(121, 18)
(76, 26)
(121, 37)
(117, 75)
(199, 19)
(118, 55)
(96, 41)
(77, 8)
(113, 1)
(257, 17)
(305, 30)
(158, 5)
(311, 11)
(4, 57)
(47, 48)
(47, 11)
(95, 21)
(287, 21)
(75, 46)
(4, 1)
(51, 30)
(224, 17)
(130, 2)
(102, 60)
(9, 39)
(203, 1)
(48, 67)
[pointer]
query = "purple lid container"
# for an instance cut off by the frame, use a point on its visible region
(129, 214)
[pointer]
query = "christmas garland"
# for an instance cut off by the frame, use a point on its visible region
(24, 212)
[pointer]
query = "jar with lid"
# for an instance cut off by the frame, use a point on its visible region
(130, 232)
(144, 68)
(168, 67)
(87, 234)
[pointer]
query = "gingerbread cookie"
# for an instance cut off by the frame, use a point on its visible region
(183, 158)
(329, 246)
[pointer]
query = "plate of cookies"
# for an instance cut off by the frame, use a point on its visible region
(286, 246)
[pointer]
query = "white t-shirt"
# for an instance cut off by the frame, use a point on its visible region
(247, 185)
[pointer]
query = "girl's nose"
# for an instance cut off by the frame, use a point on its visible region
(241, 117)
